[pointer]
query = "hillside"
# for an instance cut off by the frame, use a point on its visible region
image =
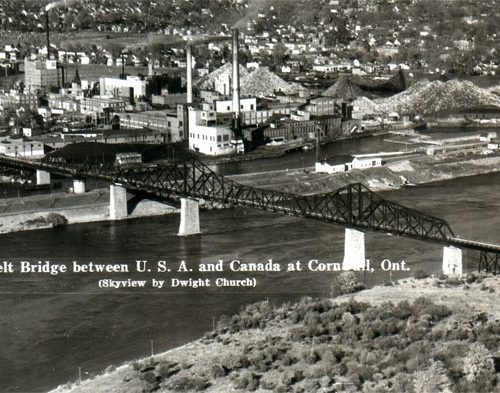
(359, 344)
(425, 97)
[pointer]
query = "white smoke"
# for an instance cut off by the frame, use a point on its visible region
(253, 9)
(59, 4)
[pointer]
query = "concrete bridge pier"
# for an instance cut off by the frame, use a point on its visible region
(117, 202)
(42, 177)
(190, 217)
(79, 186)
(452, 261)
(354, 250)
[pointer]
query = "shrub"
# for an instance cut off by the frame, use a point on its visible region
(188, 384)
(420, 274)
(479, 367)
(56, 219)
(234, 361)
(345, 283)
(248, 381)
(432, 379)
(217, 371)
(292, 377)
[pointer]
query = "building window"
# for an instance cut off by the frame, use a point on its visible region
(219, 138)
(225, 137)
(251, 107)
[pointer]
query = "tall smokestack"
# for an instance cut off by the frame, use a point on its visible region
(189, 75)
(48, 33)
(236, 83)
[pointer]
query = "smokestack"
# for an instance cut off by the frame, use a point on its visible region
(236, 82)
(189, 74)
(48, 34)
(150, 68)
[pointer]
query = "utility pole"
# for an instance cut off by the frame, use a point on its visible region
(79, 375)
(318, 135)
(152, 348)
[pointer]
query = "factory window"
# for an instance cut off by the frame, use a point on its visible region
(226, 137)
(219, 138)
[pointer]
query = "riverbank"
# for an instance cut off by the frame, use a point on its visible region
(49, 210)
(277, 151)
(287, 348)
(418, 169)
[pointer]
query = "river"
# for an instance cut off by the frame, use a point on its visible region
(52, 325)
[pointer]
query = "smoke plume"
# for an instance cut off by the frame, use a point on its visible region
(59, 4)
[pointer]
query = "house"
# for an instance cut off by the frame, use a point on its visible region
(494, 144)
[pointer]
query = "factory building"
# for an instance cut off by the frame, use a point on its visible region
(40, 74)
(132, 87)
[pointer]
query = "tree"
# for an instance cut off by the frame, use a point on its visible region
(479, 368)
(431, 380)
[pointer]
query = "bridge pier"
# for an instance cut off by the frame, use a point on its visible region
(190, 217)
(117, 202)
(452, 261)
(42, 177)
(354, 250)
(79, 186)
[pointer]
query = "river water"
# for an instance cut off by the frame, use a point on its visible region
(52, 325)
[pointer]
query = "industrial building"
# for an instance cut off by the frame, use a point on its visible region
(40, 74)
(166, 122)
(132, 87)
(21, 148)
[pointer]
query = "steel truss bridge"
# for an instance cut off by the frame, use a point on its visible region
(354, 206)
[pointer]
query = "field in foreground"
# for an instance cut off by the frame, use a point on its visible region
(357, 342)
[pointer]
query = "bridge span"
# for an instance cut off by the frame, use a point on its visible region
(188, 182)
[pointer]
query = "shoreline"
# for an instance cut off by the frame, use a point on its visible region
(465, 298)
(391, 176)
(49, 210)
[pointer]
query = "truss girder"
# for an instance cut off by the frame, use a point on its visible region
(354, 205)
(489, 262)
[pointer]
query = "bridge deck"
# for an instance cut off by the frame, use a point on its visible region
(353, 206)
(475, 245)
